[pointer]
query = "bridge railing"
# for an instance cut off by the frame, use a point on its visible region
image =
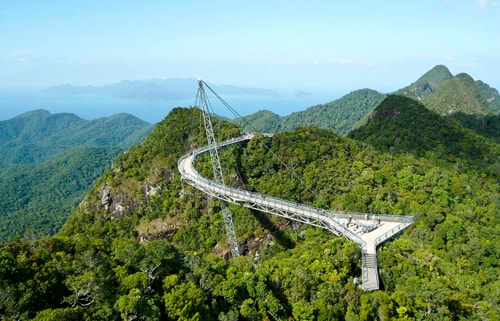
(364, 268)
(245, 196)
(398, 228)
(304, 212)
(336, 214)
(328, 216)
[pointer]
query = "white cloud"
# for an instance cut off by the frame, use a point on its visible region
(469, 65)
(486, 4)
(336, 61)
(447, 57)
(21, 56)
(345, 61)
(470, 4)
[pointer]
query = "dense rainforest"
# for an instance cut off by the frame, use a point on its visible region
(49, 161)
(38, 135)
(38, 198)
(341, 115)
(143, 245)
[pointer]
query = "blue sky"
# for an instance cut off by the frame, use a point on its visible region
(346, 45)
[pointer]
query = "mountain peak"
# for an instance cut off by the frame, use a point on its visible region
(392, 106)
(427, 83)
(33, 113)
(464, 77)
(438, 72)
(491, 96)
(458, 94)
(401, 124)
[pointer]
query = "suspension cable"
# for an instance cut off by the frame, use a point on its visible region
(248, 124)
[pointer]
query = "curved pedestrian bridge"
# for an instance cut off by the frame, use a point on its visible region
(368, 230)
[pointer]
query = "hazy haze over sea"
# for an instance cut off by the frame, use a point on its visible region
(15, 102)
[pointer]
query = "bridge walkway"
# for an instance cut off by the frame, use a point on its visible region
(368, 230)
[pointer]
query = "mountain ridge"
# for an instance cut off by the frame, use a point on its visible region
(458, 94)
(340, 115)
(491, 95)
(401, 124)
(438, 89)
(37, 135)
(427, 84)
(38, 148)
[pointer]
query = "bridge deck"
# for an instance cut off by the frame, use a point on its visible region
(368, 230)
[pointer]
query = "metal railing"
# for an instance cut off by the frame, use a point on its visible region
(311, 215)
(387, 235)
(241, 196)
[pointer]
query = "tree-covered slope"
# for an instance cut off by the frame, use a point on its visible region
(488, 125)
(263, 121)
(427, 84)
(44, 172)
(38, 198)
(144, 245)
(38, 135)
(459, 94)
(490, 95)
(437, 89)
(340, 115)
(400, 124)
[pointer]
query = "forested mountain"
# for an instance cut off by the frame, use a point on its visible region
(401, 125)
(459, 94)
(263, 121)
(144, 245)
(38, 135)
(427, 83)
(48, 161)
(437, 89)
(38, 198)
(340, 115)
(444, 93)
(490, 95)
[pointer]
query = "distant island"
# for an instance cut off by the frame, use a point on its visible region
(155, 89)
(300, 93)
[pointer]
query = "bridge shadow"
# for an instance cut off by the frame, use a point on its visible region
(279, 236)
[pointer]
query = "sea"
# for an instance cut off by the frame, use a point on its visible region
(16, 102)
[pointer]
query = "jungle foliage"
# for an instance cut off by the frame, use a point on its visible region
(38, 198)
(403, 125)
(427, 84)
(49, 161)
(143, 245)
(340, 115)
(38, 135)
(459, 94)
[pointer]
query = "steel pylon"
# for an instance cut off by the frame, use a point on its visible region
(203, 103)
